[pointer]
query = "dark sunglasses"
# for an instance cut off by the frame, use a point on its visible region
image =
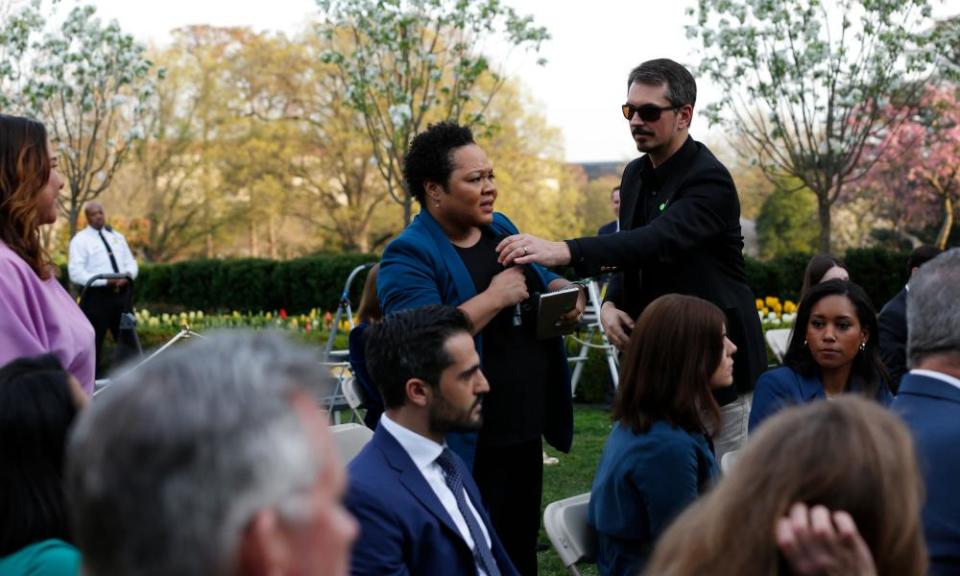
(647, 112)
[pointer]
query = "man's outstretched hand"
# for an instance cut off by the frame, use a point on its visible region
(528, 249)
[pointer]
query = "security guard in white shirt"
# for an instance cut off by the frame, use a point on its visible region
(98, 249)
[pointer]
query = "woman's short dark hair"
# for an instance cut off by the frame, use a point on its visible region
(868, 373)
(410, 344)
(36, 411)
(816, 268)
(676, 346)
(430, 156)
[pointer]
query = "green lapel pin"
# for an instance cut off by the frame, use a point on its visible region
(663, 206)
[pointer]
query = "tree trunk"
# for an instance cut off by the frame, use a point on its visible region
(823, 215)
(947, 225)
(254, 241)
(407, 210)
(272, 237)
(209, 243)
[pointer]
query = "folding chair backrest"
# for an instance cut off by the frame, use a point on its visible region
(778, 339)
(565, 522)
(350, 392)
(350, 439)
(729, 460)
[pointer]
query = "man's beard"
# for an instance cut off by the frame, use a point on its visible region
(446, 418)
(647, 147)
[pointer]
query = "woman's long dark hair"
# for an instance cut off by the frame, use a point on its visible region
(24, 171)
(816, 268)
(36, 411)
(676, 347)
(868, 373)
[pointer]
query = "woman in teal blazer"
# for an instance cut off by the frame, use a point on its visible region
(659, 457)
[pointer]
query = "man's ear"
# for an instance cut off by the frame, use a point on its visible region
(685, 115)
(418, 392)
(264, 547)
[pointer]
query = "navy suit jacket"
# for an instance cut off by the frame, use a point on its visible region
(893, 337)
(608, 228)
(404, 529)
(784, 386)
(931, 408)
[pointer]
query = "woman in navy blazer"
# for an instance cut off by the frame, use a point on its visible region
(833, 350)
(659, 457)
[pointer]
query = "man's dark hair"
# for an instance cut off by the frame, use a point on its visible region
(36, 412)
(920, 256)
(410, 344)
(681, 87)
(430, 156)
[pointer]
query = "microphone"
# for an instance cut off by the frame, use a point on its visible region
(517, 311)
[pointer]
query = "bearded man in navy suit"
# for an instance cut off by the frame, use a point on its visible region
(929, 401)
(420, 511)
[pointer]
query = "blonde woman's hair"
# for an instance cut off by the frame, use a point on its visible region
(847, 454)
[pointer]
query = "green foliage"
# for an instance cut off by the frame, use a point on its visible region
(88, 81)
(881, 273)
(249, 284)
(787, 223)
(404, 62)
(808, 82)
(255, 285)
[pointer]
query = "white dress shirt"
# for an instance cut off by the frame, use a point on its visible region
(424, 452)
(88, 256)
(937, 375)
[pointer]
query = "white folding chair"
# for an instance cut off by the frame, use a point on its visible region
(352, 395)
(729, 460)
(350, 439)
(778, 339)
(565, 522)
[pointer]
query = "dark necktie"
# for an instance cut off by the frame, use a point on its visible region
(113, 261)
(454, 478)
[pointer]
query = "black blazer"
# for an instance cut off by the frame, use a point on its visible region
(893, 337)
(693, 246)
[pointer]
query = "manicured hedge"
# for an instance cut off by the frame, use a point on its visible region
(882, 273)
(250, 284)
(316, 282)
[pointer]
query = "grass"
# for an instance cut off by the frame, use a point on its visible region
(573, 475)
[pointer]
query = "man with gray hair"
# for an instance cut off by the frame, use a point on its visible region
(929, 401)
(213, 459)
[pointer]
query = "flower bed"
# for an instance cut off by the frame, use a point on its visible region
(776, 314)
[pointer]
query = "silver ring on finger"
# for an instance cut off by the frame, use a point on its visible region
(524, 250)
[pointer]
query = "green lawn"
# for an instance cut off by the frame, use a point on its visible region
(574, 474)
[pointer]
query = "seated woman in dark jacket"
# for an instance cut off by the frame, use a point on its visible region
(38, 403)
(833, 350)
(368, 312)
(658, 457)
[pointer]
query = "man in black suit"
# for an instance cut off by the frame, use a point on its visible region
(893, 320)
(680, 233)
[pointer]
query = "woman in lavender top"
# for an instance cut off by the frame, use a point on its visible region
(37, 315)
